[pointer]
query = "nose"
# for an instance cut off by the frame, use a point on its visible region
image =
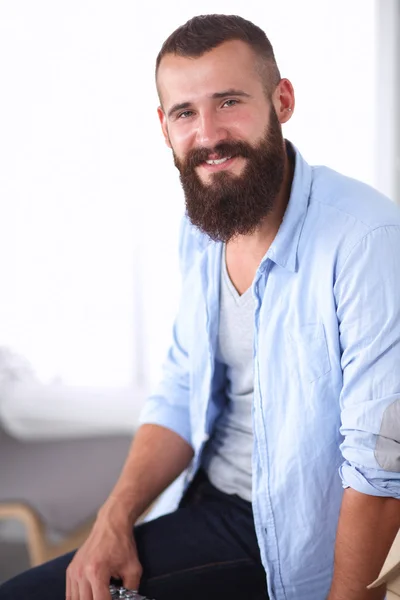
(209, 131)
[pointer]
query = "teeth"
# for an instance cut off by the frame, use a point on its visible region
(218, 161)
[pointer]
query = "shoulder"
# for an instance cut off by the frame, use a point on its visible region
(347, 199)
(344, 214)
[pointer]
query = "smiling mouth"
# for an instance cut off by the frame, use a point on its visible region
(213, 165)
(218, 161)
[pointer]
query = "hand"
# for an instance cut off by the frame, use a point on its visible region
(109, 551)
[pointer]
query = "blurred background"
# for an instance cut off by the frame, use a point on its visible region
(90, 206)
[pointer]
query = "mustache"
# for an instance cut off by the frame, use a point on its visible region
(197, 156)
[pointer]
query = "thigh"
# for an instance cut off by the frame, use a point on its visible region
(46, 582)
(206, 551)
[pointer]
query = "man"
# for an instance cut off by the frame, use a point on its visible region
(280, 398)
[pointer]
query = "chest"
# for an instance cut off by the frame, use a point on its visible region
(296, 362)
(241, 267)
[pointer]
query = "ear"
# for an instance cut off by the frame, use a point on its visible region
(283, 100)
(163, 121)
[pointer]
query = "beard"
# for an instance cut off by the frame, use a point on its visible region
(231, 205)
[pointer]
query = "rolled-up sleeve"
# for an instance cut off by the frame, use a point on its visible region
(367, 292)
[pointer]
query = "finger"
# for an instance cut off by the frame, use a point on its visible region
(100, 590)
(85, 590)
(132, 576)
(74, 589)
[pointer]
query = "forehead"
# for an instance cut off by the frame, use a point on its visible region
(232, 65)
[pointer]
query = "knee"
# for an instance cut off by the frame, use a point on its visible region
(32, 585)
(46, 582)
(13, 588)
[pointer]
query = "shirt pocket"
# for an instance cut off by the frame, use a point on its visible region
(311, 350)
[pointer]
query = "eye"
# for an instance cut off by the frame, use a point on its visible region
(230, 102)
(185, 114)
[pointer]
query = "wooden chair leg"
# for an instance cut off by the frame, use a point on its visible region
(36, 539)
(39, 549)
(71, 542)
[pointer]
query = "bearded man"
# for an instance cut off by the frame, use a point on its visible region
(278, 414)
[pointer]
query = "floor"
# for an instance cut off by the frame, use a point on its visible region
(13, 559)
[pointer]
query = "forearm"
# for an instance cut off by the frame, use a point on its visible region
(366, 530)
(156, 458)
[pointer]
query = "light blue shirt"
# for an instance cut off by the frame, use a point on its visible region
(326, 409)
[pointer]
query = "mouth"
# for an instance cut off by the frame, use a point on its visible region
(218, 164)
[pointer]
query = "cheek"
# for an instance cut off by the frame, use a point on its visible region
(246, 124)
(247, 129)
(181, 140)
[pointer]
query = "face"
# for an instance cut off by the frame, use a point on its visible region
(225, 135)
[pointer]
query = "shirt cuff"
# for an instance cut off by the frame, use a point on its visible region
(166, 415)
(370, 481)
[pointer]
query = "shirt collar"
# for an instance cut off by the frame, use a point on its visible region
(283, 250)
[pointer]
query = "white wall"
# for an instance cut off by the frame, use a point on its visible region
(89, 197)
(387, 149)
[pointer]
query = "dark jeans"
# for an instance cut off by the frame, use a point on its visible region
(206, 550)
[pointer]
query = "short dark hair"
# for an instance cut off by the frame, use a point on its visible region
(205, 32)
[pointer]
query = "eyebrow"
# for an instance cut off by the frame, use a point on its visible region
(217, 95)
